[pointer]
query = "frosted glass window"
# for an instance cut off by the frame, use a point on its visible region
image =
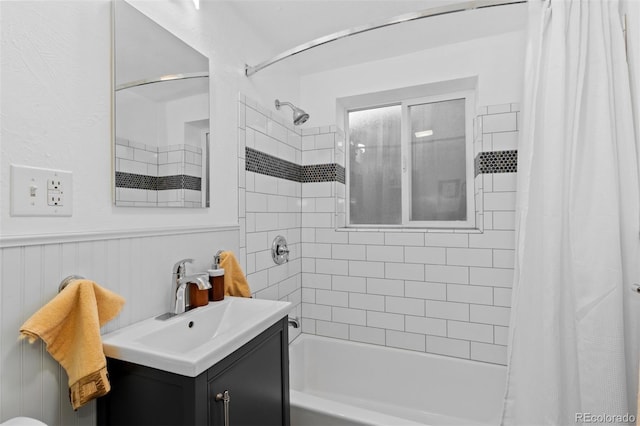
(410, 163)
(375, 195)
(438, 161)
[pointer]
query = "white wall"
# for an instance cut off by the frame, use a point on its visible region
(56, 104)
(56, 113)
(497, 61)
(180, 112)
(139, 119)
(142, 120)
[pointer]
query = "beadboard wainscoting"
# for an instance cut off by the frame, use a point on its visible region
(134, 264)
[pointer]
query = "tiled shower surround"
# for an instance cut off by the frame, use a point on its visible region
(158, 176)
(269, 206)
(432, 290)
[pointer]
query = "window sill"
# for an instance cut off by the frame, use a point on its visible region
(410, 229)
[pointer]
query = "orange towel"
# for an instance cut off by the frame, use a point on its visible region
(235, 283)
(70, 326)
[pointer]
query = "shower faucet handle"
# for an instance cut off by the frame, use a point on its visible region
(282, 250)
(279, 250)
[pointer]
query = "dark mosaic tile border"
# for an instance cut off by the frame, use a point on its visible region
(259, 162)
(135, 181)
(265, 164)
(179, 182)
(331, 172)
(496, 162)
(157, 183)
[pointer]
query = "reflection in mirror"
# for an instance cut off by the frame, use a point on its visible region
(161, 115)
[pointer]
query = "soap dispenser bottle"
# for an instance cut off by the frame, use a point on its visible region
(216, 279)
(197, 297)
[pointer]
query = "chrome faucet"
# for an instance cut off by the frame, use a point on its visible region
(182, 280)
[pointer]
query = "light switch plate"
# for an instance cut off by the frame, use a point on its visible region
(40, 192)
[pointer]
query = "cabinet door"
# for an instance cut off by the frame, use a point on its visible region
(255, 385)
(146, 396)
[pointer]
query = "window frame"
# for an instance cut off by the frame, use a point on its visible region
(405, 135)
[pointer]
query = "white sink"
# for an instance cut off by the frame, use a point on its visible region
(190, 343)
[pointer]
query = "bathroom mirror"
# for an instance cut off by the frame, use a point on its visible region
(161, 115)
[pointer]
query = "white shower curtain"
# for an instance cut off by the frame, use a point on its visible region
(577, 223)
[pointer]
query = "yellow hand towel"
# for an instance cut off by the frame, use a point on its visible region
(235, 283)
(70, 326)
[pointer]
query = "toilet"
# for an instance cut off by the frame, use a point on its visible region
(22, 421)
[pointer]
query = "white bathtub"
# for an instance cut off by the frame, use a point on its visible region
(336, 382)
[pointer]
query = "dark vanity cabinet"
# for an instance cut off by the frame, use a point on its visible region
(256, 377)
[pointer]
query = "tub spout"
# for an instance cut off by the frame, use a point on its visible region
(294, 322)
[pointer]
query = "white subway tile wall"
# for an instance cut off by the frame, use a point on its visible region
(270, 206)
(439, 291)
(156, 162)
(138, 159)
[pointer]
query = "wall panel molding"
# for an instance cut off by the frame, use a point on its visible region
(73, 237)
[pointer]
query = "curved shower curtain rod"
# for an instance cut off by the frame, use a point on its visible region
(168, 77)
(413, 16)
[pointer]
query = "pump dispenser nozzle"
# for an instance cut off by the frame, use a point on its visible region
(216, 260)
(216, 278)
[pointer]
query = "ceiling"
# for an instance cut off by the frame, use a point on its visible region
(285, 24)
(145, 50)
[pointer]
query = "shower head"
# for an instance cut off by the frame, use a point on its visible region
(299, 116)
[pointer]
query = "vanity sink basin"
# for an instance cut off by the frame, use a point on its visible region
(190, 343)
